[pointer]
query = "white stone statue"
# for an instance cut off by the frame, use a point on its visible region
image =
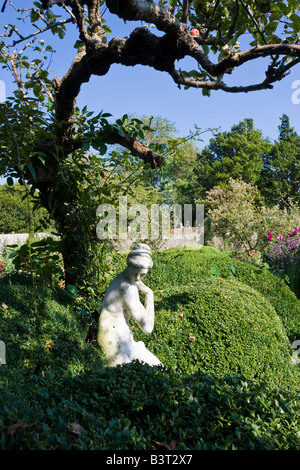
(120, 303)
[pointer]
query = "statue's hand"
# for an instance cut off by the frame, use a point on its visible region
(144, 289)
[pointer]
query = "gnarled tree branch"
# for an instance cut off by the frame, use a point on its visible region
(138, 150)
(159, 52)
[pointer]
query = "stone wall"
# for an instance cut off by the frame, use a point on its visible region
(16, 239)
(178, 239)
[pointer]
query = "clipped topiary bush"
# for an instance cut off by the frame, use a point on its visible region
(223, 328)
(190, 267)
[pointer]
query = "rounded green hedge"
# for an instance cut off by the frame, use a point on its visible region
(177, 267)
(224, 328)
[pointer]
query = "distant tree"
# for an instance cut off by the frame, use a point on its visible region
(240, 221)
(180, 168)
(175, 178)
(235, 154)
(280, 178)
(159, 135)
(16, 208)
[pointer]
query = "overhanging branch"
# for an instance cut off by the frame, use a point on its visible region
(138, 150)
(159, 52)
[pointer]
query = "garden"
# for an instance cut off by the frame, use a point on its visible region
(223, 331)
(227, 330)
(227, 311)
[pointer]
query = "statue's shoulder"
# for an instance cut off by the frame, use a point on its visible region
(120, 283)
(127, 289)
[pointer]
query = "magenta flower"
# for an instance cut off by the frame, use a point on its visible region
(270, 235)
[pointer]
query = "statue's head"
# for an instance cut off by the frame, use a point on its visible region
(139, 261)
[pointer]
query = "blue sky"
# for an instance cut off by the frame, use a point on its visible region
(144, 91)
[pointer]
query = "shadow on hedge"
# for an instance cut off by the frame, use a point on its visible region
(43, 330)
(136, 407)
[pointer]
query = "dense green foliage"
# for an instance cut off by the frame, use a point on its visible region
(280, 178)
(244, 153)
(229, 382)
(44, 332)
(222, 327)
(238, 153)
(16, 208)
(193, 266)
(136, 406)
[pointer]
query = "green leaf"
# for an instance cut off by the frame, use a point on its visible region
(106, 28)
(78, 44)
(85, 146)
(21, 212)
(102, 149)
(72, 289)
(41, 156)
(10, 181)
(205, 92)
(32, 170)
(61, 33)
(270, 28)
(205, 49)
(33, 16)
(215, 271)
(104, 115)
(120, 131)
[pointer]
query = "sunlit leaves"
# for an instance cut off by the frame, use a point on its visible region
(225, 22)
(49, 18)
(22, 124)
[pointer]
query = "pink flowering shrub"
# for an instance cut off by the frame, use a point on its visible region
(282, 253)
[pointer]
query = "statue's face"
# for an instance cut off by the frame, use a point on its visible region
(136, 274)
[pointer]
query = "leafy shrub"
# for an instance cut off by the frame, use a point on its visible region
(233, 214)
(136, 407)
(43, 331)
(240, 221)
(41, 257)
(221, 327)
(15, 209)
(183, 268)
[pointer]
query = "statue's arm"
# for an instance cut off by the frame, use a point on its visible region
(142, 314)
